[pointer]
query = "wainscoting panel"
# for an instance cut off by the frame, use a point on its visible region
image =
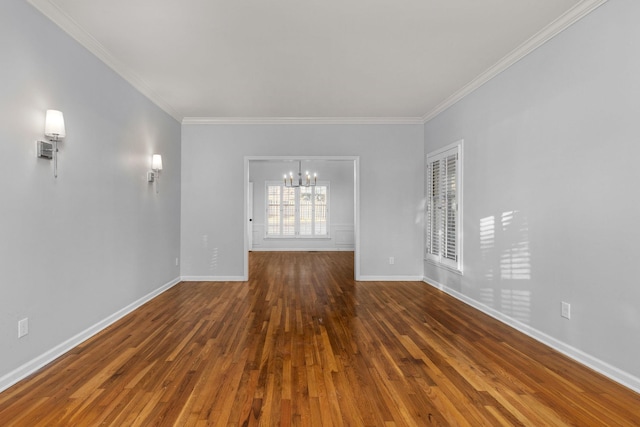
(341, 238)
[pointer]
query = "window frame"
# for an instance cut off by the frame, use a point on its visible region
(436, 224)
(297, 198)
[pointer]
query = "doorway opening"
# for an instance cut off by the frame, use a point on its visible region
(258, 170)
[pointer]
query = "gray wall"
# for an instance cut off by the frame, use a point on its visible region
(76, 249)
(551, 153)
(339, 175)
(213, 166)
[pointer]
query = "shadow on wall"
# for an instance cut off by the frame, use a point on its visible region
(213, 261)
(506, 257)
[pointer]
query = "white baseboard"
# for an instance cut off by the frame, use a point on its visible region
(333, 249)
(33, 365)
(213, 279)
(390, 278)
(580, 356)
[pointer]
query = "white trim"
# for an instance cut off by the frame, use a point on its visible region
(356, 210)
(342, 236)
(356, 215)
(618, 375)
(245, 261)
(345, 249)
(442, 150)
(390, 279)
(49, 356)
(298, 197)
(302, 121)
(438, 264)
(49, 9)
(213, 279)
(440, 154)
(296, 237)
(570, 17)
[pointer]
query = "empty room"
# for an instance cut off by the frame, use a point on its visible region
(319, 213)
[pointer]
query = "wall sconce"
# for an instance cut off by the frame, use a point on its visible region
(156, 167)
(54, 129)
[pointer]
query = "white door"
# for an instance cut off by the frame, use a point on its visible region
(250, 214)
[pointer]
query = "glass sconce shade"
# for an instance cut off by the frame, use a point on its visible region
(156, 162)
(54, 124)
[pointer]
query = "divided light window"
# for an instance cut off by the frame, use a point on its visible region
(297, 212)
(443, 186)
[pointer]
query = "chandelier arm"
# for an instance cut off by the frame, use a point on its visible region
(299, 183)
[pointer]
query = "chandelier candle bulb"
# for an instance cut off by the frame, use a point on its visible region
(301, 180)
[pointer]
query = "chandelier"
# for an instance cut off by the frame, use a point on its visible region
(307, 181)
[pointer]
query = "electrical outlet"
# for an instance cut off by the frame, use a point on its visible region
(23, 327)
(392, 260)
(566, 310)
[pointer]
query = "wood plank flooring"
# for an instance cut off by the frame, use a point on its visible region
(302, 344)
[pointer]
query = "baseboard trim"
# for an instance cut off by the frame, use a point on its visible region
(615, 374)
(390, 278)
(345, 249)
(49, 356)
(213, 279)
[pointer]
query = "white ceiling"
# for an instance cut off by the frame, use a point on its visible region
(399, 60)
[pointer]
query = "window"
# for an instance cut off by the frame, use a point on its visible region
(297, 212)
(443, 187)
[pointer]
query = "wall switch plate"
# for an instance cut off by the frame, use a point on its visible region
(392, 260)
(23, 327)
(177, 261)
(566, 310)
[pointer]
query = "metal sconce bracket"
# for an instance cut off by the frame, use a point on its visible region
(154, 174)
(54, 129)
(44, 150)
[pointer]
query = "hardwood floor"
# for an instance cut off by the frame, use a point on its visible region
(301, 343)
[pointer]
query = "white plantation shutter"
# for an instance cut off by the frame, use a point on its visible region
(297, 212)
(450, 213)
(442, 215)
(320, 213)
(274, 218)
(288, 211)
(433, 213)
(306, 211)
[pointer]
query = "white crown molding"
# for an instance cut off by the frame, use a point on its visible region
(302, 121)
(570, 17)
(49, 9)
(64, 21)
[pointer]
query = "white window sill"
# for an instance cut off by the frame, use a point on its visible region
(296, 238)
(445, 266)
